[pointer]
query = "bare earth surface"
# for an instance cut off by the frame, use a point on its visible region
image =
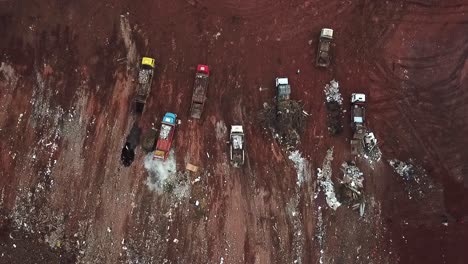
(67, 77)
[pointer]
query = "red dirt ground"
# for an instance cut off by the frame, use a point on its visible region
(67, 79)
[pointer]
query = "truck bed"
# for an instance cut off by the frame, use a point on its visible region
(145, 78)
(200, 88)
(323, 53)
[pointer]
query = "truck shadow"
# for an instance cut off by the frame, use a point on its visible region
(128, 151)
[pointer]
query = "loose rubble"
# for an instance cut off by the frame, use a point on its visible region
(286, 120)
(326, 184)
(332, 92)
(404, 169)
(371, 148)
(300, 164)
(351, 189)
(334, 100)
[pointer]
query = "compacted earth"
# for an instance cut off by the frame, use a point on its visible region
(68, 76)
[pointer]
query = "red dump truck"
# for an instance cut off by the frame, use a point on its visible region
(166, 136)
(200, 88)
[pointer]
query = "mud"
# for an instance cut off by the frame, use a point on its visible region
(66, 110)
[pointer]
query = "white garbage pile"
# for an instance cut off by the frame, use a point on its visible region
(352, 178)
(326, 184)
(332, 92)
(371, 148)
(352, 185)
(405, 169)
(144, 76)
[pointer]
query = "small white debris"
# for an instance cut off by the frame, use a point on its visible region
(14, 245)
(108, 230)
(332, 92)
(197, 203)
(176, 240)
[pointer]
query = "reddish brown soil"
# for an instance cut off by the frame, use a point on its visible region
(72, 88)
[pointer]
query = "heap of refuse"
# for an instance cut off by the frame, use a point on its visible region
(371, 148)
(144, 75)
(286, 121)
(353, 176)
(405, 169)
(352, 179)
(325, 181)
(332, 92)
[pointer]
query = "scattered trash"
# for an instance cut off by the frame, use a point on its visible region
(332, 92)
(334, 100)
(405, 169)
(286, 121)
(196, 180)
(301, 165)
(417, 183)
(191, 167)
(326, 184)
(353, 177)
(351, 188)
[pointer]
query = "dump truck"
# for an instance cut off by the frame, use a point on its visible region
(237, 146)
(166, 136)
(283, 89)
(145, 78)
(283, 92)
(358, 112)
(200, 88)
(324, 46)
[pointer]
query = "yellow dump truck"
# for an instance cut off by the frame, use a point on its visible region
(145, 78)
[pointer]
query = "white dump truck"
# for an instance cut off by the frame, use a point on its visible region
(283, 89)
(358, 118)
(358, 110)
(324, 46)
(237, 146)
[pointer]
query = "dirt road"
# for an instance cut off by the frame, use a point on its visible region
(67, 76)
